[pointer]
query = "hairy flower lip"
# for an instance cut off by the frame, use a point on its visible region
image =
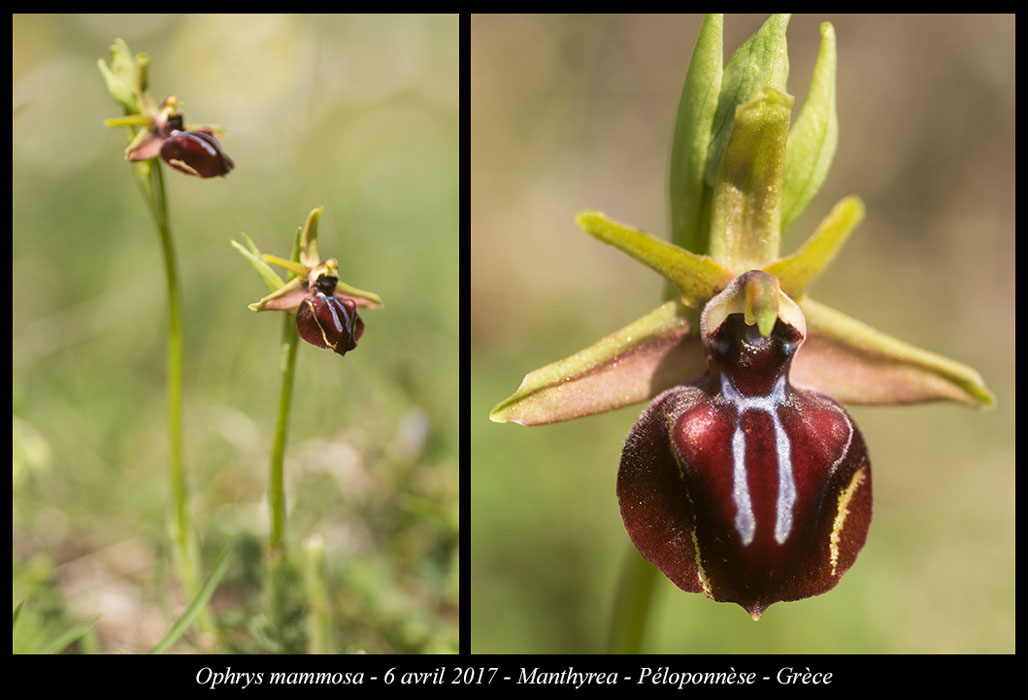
(739, 484)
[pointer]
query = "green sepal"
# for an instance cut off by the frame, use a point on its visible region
(253, 254)
(745, 222)
(858, 364)
(814, 135)
(697, 277)
(119, 90)
(689, 193)
(309, 239)
(762, 61)
(651, 354)
(797, 271)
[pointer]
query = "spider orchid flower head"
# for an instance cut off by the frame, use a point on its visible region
(744, 478)
(159, 131)
(326, 307)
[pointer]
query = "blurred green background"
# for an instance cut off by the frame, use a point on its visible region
(357, 114)
(575, 113)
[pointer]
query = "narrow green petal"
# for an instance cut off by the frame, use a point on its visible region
(814, 135)
(689, 194)
(762, 61)
(858, 364)
(745, 215)
(638, 362)
(130, 120)
(697, 276)
(801, 268)
(298, 269)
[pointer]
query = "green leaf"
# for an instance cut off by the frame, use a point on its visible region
(761, 62)
(689, 194)
(651, 354)
(801, 268)
(697, 277)
(858, 364)
(745, 222)
(204, 595)
(814, 135)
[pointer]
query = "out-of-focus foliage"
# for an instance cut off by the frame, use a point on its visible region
(576, 113)
(356, 114)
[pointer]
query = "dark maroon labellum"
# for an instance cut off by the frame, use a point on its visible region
(196, 153)
(742, 486)
(329, 321)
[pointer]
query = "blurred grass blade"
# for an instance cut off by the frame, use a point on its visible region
(17, 611)
(814, 135)
(70, 636)
(198, 604)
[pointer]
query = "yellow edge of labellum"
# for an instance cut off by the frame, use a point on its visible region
(186, 166)
(700, 573)
(840, 516)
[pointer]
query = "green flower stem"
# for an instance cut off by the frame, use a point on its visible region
(636, 586)
(278, 574)
(276, 480)
(183, 533)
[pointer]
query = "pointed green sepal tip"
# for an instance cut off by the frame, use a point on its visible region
(858, 364)
(814, 136)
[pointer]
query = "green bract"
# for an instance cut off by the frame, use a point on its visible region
(739, 177)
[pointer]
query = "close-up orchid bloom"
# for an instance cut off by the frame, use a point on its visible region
(326, 307)
(744, 478)
(162, 131)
